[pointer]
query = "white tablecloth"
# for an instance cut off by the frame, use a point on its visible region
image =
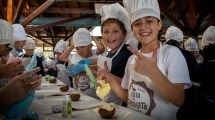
(84, 109)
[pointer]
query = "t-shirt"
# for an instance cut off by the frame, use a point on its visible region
(119, 61)
(152, 104)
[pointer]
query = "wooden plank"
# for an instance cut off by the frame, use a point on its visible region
(66, 10)
(40, 39)
(192, 13)
(173, 20)
(37, 12)
(2, 12)
(27, 30)
(10, 11)
(19, 11)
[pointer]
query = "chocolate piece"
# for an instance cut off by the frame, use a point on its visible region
(105, 113)
(53, 80)
(64, 88)
(75, 96)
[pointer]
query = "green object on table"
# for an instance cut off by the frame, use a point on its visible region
(91, 76)
(48, 77)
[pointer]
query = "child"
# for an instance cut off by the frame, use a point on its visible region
(83, 45)
(156, 75)
(115, 32)
(192, 46)
(27, 56)
(19, 38)
(60, 47)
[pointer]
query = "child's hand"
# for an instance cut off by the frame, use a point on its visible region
(144, 65)
(104, 74)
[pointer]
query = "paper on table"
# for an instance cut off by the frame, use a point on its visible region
(48, 93)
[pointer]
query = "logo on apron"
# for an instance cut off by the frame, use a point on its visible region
(138, 90)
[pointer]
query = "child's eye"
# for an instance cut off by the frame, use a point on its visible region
(105, 32)
(137, 24)
(115, 31)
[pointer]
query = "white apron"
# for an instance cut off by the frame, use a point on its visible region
(62, 75)
(145, 98)
(81, 81)
(111, 97)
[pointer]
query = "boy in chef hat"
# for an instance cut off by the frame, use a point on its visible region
(82, 43)
(19, 38)
(192, 46)
(10, 67)
(156, 75)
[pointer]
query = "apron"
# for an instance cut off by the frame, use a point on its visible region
(111, 97)
(62, 75)
(145, 98)
(81, 81)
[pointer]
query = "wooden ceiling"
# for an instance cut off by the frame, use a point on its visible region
(52, 20)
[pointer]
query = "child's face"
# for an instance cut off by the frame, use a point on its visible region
(5, 49)
(19, 44)
(84, 51)
(146, 29)
(113, 36)
(29, 51)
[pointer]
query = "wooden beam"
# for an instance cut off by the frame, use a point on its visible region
(94, 1)
(40, 39)
(66, 10)
(19, 11)
(37, 12)
(2, 12)
(170, 18)
(192, 13)
(186, 21)
(10, 11)
(209, 23)
(55, 23)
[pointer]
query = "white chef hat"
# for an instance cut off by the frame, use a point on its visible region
(61, 46)
(174, 33)
(103, 11)
(19, 33)
(118, 12)
(6, 33)
(30, 43)
(39, 52)
(208, 36)
(51, 55)
(81, 37)
(142, 8)
(191, 44)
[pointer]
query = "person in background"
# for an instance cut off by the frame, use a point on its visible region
(60, 47)
(192, 46)
(205, 72)
(19, 38)
(50, 65)
(83, 44)
(7, 70)
(174, 36)
(40, 54)
(156, 75)
(17, 88)
(27, 56)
